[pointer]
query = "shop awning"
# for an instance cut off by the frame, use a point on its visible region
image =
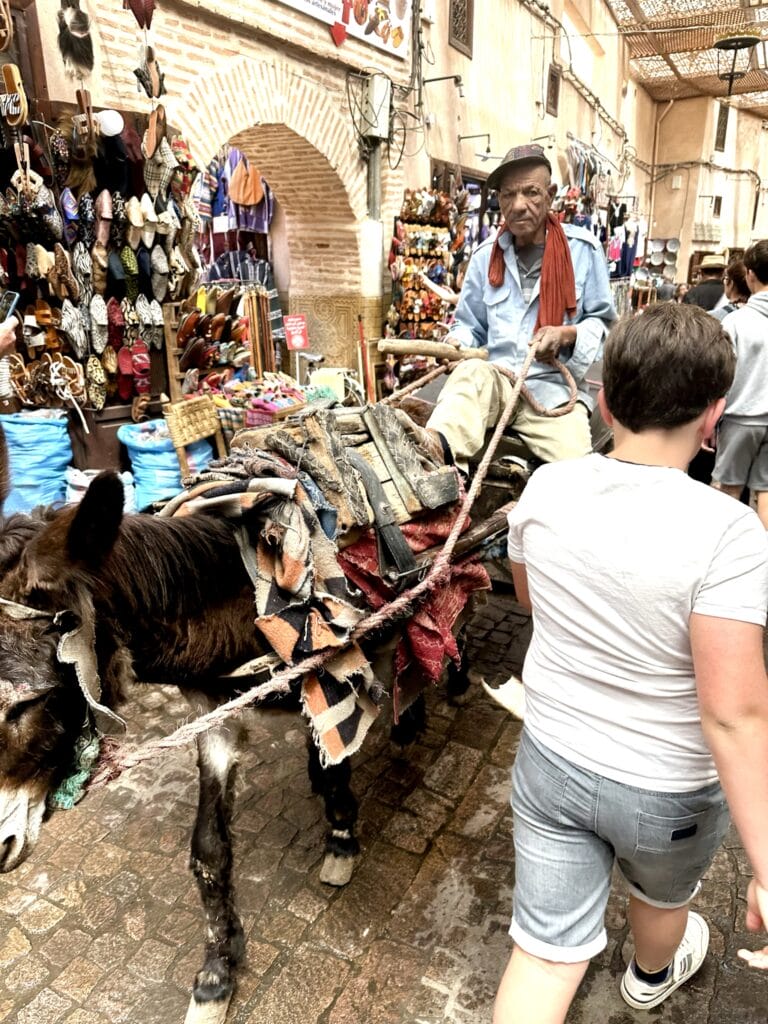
(673, 54)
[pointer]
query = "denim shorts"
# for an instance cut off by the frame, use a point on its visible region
(742, 455)
(572, 827)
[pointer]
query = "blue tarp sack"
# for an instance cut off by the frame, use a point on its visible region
(154, 462)
(39, 451)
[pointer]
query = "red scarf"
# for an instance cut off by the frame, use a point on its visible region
(557, 292)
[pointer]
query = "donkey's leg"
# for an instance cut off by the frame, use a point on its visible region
(211, 863)
(457, 677)
(341, 845)
(412, 723)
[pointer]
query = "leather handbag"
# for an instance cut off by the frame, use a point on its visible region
(245, 186)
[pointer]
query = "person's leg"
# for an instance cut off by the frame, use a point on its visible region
(733, 490)
(554, 438)
(562, 882)
(535, 991)
(468, 405)
(657, 932)
(762, 507)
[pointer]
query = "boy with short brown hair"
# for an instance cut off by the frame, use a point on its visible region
(644, 681)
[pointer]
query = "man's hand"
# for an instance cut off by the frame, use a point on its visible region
(550, 340)
(757, 920)
(451, 339)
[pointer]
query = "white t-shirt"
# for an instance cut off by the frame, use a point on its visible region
(618, 556)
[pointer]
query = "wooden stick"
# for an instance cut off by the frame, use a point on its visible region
(438, 349)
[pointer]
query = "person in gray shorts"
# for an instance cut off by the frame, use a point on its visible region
(742, 439)
(646, 717)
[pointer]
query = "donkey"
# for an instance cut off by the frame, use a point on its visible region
(170, 602)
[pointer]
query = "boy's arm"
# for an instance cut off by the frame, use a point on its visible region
(733, 698)
(520, 576)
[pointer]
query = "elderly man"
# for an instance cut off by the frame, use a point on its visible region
(537, 280)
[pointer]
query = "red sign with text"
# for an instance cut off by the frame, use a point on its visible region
(296, 333)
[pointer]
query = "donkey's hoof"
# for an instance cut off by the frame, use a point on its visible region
(336, 870)
(207, 1013)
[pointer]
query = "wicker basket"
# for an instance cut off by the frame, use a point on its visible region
(191, 420)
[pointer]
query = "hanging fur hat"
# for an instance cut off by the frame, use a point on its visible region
(75, 39)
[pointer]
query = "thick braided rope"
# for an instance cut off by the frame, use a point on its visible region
(117, 758)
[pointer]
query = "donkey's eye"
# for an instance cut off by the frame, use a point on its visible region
(20, 708)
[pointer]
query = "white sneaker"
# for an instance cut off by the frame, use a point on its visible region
(511, 695)
(687, 960)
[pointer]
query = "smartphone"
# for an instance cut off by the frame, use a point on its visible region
(8, 303)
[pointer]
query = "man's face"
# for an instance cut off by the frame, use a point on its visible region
(525, 196)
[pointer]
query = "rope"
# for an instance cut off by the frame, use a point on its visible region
(117, 758)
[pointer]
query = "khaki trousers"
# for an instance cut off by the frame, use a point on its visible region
(474, 397)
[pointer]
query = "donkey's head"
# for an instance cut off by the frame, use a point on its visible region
(42, 706)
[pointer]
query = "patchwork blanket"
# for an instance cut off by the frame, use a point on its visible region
(303, 600)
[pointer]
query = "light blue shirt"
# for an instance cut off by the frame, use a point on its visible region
(501, 320)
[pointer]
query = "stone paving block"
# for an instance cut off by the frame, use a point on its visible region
(453, 771)
(413, 827)
(29, 973)
(361, 910)
(14, 946)
(302, 991)
(486, 801)
(14, 900)
(78, 979)
(64, 945)
(479, 725)
(47, 1007)
(83, 1017)
(377, 992)
(152, 959)
(40, 916)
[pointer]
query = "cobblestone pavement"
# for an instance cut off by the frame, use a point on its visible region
(103, 925)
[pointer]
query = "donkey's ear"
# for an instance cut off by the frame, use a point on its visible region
(94, 528)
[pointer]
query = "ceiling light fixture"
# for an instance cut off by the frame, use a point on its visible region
(735, 43)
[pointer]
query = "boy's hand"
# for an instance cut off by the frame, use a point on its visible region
(757, 920)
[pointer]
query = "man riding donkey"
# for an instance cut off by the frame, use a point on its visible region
(538, 281)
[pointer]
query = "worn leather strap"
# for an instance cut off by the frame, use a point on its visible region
(396, 560)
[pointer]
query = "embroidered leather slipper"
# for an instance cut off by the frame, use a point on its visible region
(103, 211)
(135, 221)
(158, 324)
(99, 324)
(141, 366)
(139, 407)
(131, 266)
(159, 265)
(72, 327)
(99, 264)
(124, 373)
(109, 361)
(115, 324)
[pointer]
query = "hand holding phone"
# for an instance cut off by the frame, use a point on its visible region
(8, 302)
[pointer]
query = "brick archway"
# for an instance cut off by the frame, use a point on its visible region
(295, 132)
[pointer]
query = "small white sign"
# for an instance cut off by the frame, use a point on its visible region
(385, 24)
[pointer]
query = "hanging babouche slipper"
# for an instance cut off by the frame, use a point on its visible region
(75, 44)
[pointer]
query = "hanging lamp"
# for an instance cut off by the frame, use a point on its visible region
(733, 54)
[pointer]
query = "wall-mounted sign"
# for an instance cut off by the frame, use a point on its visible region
(296, 333)
(385, 24)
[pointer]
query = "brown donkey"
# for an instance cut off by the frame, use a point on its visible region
(167, 601)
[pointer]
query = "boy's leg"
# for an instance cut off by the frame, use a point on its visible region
(762, 507)
(657, 933)
(535, 991)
